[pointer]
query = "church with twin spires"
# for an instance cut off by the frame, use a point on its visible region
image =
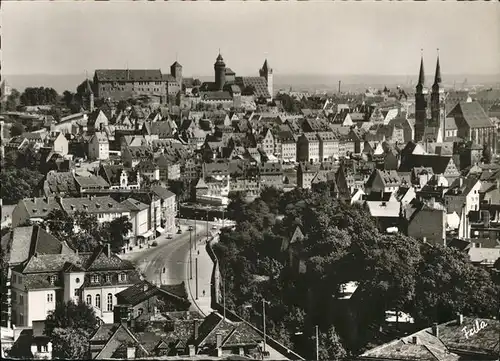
(429, 111)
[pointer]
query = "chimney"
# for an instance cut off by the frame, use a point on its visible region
(460, 182)
(219, 340)
(108, 250)
(415, 340)
(196, 325)
(435, 329)
(130, 353)
(460, 318)
(192, 350)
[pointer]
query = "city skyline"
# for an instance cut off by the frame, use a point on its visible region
(330, 38)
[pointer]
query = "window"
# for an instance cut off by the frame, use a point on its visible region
(14, 297)
(20, 280)
(50, 297)
(110, 302)
(98, 301)
(77, 280)
(52, 280)
(122, 277)
(108, 278)
(88, 299)
(14, 278)
(77, 292)
(94, 279)
(21, 319)
(21, 300)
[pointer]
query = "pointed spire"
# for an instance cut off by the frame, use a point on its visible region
(437, 77)
(421, 75)
(265, 66)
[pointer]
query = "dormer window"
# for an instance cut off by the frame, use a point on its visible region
(122, 277)
(94, 279)
(108, 278)
(52, 280)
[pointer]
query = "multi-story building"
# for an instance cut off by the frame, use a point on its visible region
(305, 174)
(328, 146)
(288, 147)
(308, 148)
(43, 280)
(99, 146)
(463, 195)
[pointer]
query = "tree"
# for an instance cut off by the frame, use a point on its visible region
(17, 129)
(13, 100)
(39, 96)
(330, 347)
(487, 156)
(59, 223)
(77, 315)
(70, 344)
(69, 327)
(116, 231)
(18, 183)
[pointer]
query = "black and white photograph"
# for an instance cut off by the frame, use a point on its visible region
(250, 180)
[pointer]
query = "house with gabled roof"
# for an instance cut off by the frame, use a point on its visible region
(383, 181)
(463, 194)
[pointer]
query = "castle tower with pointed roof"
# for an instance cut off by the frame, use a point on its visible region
(267, 72)
(220, 72)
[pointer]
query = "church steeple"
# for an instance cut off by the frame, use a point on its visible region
(436, 97)
(437, 77)
(421, 75)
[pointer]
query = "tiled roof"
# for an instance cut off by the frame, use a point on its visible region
(26, 241)
(473, 114)
(162, 192)
(49, 262)
(99, 261)
(259, 83)
(436, 162)
(61, 183)
(383, 209)
(462, 186)
(91, 181)
(128, 75)
(132, 204)
(104, 204)
(39, 207)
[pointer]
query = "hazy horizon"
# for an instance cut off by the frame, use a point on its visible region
(306, 38)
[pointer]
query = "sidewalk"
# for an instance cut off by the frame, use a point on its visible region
(205, 268)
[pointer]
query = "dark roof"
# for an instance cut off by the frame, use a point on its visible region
(473, 114)
(436, 162)
(128, 75)
(26, 241)
(162, 192)
(144, 290)
(259, 83)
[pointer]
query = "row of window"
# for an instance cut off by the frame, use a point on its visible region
(122, 277)
(97, 304)
(17, 279)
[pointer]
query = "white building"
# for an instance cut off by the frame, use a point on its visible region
(99, 146)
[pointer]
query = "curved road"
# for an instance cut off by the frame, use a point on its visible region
(167, 263)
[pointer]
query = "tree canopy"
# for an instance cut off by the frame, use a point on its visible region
(341, 244)
(70, 327)
(18, 183)
(39, 96)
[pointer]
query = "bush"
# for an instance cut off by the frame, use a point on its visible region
(154, 244)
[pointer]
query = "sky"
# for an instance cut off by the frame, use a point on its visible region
(310, 38)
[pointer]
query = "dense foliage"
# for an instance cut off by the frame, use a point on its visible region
(84, 233)
(70, 327)
(341, 244)
(18, 183)
(39, 96)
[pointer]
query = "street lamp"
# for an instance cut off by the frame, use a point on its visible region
(264, 323)
(190, 255)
